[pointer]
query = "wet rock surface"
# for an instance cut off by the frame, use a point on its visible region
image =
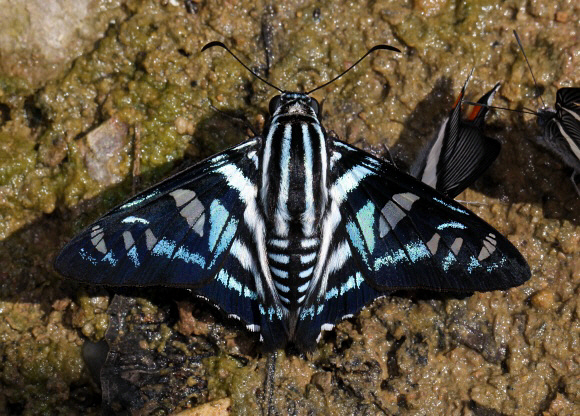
(513, 352)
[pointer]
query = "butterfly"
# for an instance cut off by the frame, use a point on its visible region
(460, 152)
(561, 125)
(292, 231)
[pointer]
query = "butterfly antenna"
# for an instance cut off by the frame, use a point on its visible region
(221, 45)
(462, 93)
(530, 67)
(371, 50)
(525, 110)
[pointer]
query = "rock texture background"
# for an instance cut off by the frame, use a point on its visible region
(82, 79)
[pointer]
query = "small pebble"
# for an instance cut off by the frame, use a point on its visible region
(544, 299)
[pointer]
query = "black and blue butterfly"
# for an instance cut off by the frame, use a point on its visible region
(460, 152)
(292, 231)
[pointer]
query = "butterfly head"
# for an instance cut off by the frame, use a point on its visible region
(294, 103)
(544, 115)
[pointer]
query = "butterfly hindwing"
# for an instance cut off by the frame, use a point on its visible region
(239, 290)
(177, 233)
(338, 294)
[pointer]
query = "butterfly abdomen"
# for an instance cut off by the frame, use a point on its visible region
(292, 264)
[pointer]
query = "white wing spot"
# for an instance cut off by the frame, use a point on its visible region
(150, 239)
(101, 246)
(488, 247)
(193, 214)
(97, 239)
(405, 200)
(182, 196)
(391, 214)
(128, 240)
(456, 246)
(433, 244)
(192, 209)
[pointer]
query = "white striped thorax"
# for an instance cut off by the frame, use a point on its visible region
(293, 192)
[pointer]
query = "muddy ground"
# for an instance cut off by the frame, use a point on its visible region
(105, 98)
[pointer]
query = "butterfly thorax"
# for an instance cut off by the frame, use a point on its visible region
(293, 193)
(545, 115)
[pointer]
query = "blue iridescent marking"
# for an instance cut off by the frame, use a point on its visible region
(109, 258)
(473, 264)
(139, 200)
(332, 293)
(417, 251)
(189, 257)
(414, 252)
(356, 239)
(250, 293)
(307, 312)
(87, 257)
(164, 247)
(348, 182)
(451, 224)
(496, 265)
(366, 220)
(231, 283)
(462, 211)
(351, 283)
(225, 240)
(393, 258)
(134, 256)
(218, 217)
(270, 312)
(448, 261)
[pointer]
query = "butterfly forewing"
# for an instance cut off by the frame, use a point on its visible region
(177, 233)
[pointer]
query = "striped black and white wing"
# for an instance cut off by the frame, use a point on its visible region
(562, 129)
(188, 231)
(386, 231)
(460, 152)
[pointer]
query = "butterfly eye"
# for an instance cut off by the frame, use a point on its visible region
(315, 106)
(274, 104)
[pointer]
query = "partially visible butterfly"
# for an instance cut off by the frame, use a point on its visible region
(561, 125)
(460, 152)
(292, 231)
